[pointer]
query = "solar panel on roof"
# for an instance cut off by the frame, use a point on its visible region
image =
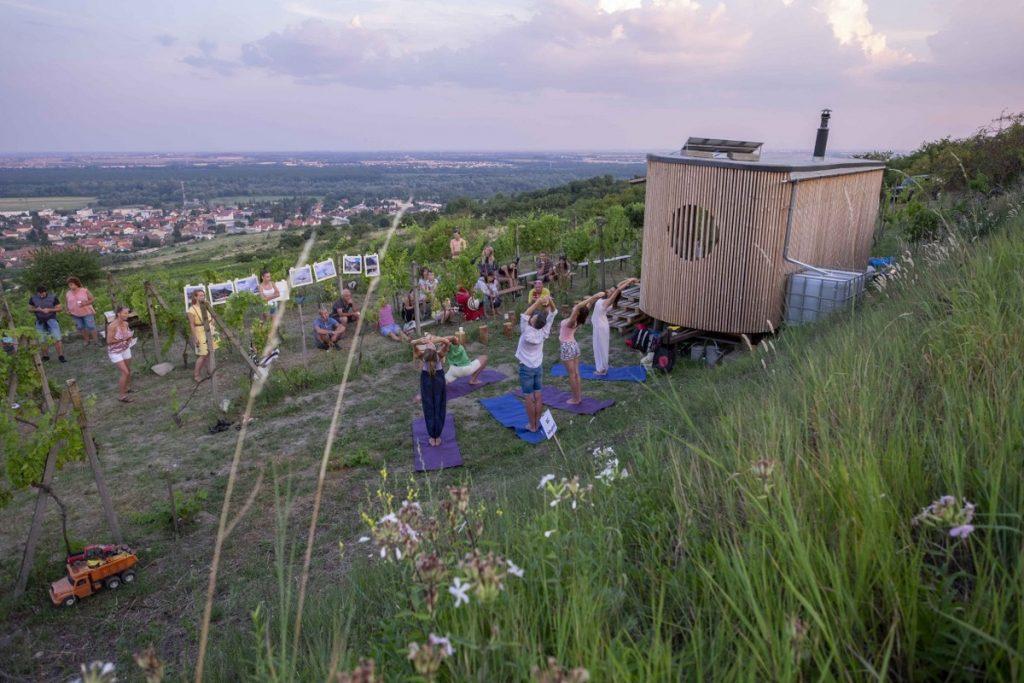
(716, 147)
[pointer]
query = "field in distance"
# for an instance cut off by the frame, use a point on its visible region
(40, 203)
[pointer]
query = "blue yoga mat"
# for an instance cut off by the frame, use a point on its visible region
(628, 373)
(511, 412)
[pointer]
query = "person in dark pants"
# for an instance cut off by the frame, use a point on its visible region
(433, 387)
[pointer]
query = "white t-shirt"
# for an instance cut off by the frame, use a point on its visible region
(530, 351)
(486, 289)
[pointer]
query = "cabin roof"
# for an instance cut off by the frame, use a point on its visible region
(799, 165)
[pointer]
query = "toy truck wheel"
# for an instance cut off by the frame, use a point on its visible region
(69, 601)
(128, 577)
(114, 582)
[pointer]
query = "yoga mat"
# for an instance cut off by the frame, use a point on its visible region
(426, 457)
(461, 386)
(511, 412)
(628, 373)
(556, 398)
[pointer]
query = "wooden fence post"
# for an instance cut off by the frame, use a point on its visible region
(36, 527)
(8, 315)
(146, 286)
(110, 291)
(94, 461)
(600, 247)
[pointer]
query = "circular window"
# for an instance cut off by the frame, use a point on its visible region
(692, 232)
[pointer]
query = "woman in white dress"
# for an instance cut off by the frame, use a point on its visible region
(602, 330)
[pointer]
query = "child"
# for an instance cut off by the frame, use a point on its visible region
(569, 349)
(388, 327)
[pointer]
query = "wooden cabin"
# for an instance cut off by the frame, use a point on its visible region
(724, 227)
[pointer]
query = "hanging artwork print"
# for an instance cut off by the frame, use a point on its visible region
(188, 293)
(300, 277)
(325, 270)
(220, 291)
(371, 263)
(352, 264)
(248, 284)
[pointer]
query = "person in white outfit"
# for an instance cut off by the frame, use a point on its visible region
(602, 330)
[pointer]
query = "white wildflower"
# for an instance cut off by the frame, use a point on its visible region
(545, 479)
(514, 569)
(459, 591)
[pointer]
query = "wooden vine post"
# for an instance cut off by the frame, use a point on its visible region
(416, 300)
(160, 300)
(146, 289)
(600, 248)
(302, 324)
(37, 361)
(94, 461)
(36, 528)
(12, 381)
(232, 339)
(111, 288)
(208, 329)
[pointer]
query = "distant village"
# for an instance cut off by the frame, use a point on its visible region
(129, 229)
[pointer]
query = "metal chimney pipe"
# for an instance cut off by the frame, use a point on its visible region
(821, 142)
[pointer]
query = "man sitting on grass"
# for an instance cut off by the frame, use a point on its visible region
(460, 365)
(328, 330)
(345, 310)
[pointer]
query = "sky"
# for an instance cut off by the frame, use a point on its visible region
(487, 75)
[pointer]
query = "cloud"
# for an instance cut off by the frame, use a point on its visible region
(207, 59)
(166, 39)
(850, 24)
(979, 43)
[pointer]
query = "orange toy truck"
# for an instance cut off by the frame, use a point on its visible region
(88, 572)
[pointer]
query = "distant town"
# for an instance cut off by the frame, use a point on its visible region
(128, 229)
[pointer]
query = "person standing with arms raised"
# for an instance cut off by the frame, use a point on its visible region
(535, 326)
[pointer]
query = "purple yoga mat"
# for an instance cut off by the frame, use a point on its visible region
(556, 398)
(461, 386)
(426, 457)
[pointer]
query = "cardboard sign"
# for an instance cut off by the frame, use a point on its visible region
(547, 423)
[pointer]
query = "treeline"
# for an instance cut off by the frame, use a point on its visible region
(162, 186)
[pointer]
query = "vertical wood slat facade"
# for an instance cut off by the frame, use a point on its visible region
(714, 240)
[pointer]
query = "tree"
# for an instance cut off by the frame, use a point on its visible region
(51, 268)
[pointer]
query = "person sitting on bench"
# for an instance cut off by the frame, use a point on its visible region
(545, 268)
(539, 291)
(508, 275)
(328, 330)
(459, 364)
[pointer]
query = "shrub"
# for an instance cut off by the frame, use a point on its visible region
(52, 267)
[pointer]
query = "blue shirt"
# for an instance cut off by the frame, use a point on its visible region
(321, 324)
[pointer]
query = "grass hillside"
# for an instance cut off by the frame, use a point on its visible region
(772, 525)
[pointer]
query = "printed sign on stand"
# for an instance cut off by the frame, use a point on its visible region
(547, 423)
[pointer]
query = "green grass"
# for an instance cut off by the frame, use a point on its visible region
(39, 203)
(696, 567)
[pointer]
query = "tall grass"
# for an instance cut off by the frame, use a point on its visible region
(765, 530)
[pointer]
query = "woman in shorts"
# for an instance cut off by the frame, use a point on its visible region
(119, 343)
(80, 300)
(569, 348)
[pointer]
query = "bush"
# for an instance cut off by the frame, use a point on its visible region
(51, 268)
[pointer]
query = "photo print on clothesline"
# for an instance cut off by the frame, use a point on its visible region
(371, 263)
(352, 264)
(325, 270)
(300, 277)
(220, 291)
